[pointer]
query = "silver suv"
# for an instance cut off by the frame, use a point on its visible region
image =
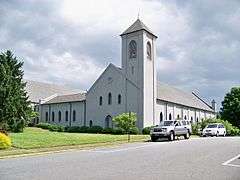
(171, 129)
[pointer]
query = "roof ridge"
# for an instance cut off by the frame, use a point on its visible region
(137, 26)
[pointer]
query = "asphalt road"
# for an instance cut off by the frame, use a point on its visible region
(200, 158)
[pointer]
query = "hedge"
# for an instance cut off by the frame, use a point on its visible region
(85, 129)
(51, 127)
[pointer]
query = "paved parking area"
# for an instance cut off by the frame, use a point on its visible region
(199, 158)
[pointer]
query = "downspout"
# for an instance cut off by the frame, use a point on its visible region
(166, 111)
(49, 113)
(70, 120)
(85, 113)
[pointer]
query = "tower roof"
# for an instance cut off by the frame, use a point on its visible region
(138, 26)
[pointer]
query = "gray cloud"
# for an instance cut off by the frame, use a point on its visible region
(71, 43)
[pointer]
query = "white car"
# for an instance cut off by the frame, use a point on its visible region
(216, 129)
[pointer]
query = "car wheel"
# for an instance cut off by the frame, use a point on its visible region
(153, 139)
(186, 136)
(171, 136)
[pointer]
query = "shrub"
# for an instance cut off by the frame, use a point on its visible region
(146, 130)
(51, 127)
(134, 130)
(196, 129)
(84, 129)
(107, 130)
(43, 125)
(3, 131)
(5, 141)
(118, 131)
(73, 129)
(54, 127)
(95, 129)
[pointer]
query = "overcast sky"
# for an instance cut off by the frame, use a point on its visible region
(71, 42)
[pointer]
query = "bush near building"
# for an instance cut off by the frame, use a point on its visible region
(5, 141)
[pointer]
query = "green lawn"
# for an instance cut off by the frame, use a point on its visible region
(38, 140)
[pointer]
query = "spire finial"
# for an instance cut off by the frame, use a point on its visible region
(138, 13)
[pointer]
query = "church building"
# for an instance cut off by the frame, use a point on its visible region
(133, 87)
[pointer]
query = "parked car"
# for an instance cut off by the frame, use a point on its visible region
(187, 124)
(215, 129)
(170, 129)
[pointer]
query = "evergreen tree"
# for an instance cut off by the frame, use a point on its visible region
(15, 108)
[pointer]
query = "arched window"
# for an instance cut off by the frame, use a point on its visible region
(109, 98)
(53, 116)
(90, 123)
(191, 119)
(100, 100)
(197, 119)
(161, 116)
(46, 116)
(66, 116)
(170, 116)
(108, 122)
(74, 115)
(59, 116)
(119, 99)
(178, 117)
(132, 49)
(185, 117)
(149, 51)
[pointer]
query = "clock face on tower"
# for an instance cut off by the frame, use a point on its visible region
(132, 49)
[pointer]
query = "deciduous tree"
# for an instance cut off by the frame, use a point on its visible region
(230, 110)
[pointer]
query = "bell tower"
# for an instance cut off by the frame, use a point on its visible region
(138, 65)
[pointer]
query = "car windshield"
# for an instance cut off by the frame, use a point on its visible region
(167, 123)
(212, 126)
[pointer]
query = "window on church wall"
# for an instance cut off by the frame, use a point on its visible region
(161, 116)
(185, 117)
(74, 115)
(66, 116)
(119, 99)
(53, 116)
(109, 98)
(178, 116)
(46, 116)
(170, 116)
(100, 100)
(59, 116)
(149, 51)
(90, 123)
(132, 49)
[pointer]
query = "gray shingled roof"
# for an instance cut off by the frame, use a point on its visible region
(67, 98)
(38, 90)
(172, 94)
(137, 26)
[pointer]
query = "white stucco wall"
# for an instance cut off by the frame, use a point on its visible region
(111, 81)
(63, 107)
